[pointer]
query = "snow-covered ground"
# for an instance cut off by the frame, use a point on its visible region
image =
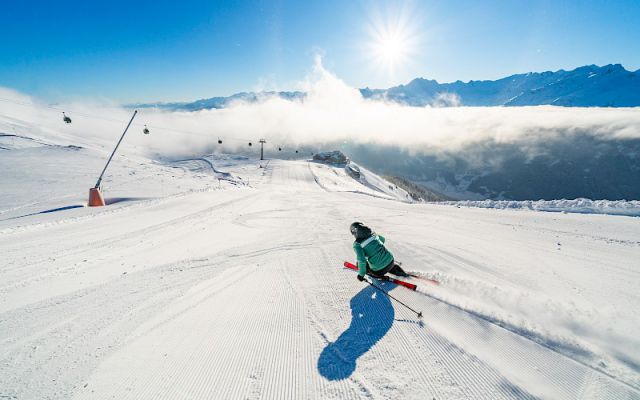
(220, 277)
(581, 206)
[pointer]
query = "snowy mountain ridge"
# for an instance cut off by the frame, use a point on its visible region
(587, 86)
(221, 101)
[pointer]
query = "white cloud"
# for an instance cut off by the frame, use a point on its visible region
(332, 112)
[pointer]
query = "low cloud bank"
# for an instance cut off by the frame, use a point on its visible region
(331, 113)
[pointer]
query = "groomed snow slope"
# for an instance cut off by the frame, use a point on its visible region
(192, 287)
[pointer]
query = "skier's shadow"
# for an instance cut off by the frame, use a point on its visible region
(371, 318)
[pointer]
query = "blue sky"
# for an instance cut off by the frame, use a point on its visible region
(172, 51)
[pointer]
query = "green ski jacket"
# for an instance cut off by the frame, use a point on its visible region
(373, 252)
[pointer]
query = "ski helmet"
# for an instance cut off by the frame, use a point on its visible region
(360, 231)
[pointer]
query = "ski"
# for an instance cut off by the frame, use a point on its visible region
(408, 285)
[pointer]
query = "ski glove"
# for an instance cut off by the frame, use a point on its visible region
(360, 278)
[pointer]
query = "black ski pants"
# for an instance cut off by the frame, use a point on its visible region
(392, 268)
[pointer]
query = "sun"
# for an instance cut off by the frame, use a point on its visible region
(392, 43)
(391, 49)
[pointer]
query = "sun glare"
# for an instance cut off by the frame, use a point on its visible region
(392, 49)
(392, 43)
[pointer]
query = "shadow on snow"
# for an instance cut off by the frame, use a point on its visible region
(46, 211)
(107, 201)
(372, 316)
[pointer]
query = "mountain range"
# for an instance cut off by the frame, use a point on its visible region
(588, 86)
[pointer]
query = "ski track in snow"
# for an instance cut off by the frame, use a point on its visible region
(235, 294)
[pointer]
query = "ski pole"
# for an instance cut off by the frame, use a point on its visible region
(419, 314)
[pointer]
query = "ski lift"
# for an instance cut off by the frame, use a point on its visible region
(219, 141)
(250, 144)
(145, 130)
(65, 118)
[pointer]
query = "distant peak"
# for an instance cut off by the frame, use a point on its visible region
(615, 67)
(422, 81)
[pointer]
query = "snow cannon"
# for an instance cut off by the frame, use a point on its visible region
(95, 198)
(95, 195)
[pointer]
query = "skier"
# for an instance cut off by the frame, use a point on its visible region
(373, 258)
